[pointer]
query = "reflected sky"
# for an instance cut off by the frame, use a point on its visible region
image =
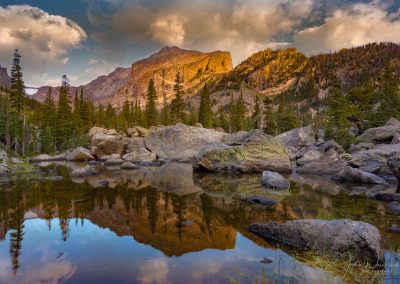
(96, 255)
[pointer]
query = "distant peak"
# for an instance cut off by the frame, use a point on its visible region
(170, 48)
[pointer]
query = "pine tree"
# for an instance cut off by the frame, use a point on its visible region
(256, 116)
(48, 123)
(205, 110)
(64, 116)
(287, 119)
(17, 84)
(240, 114)
(178, 105)
(390, 97)
(151, 108)
(270, 125)
(338, 125)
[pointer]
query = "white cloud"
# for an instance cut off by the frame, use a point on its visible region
(154, 271)
(356, 25)
(43, 39)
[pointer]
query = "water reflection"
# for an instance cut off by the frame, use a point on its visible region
(159, 225)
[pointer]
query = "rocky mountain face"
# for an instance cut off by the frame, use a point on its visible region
(303, 80)
(131, 83)
(5, 80)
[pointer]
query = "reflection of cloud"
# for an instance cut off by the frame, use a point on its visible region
(154, 271)
(47, 269)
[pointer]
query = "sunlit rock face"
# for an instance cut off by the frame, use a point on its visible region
(5, 81)
(195, 67)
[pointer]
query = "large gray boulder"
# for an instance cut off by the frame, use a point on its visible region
(335, 237)
(138, 153)
(382, 134)
(329, 163)
(361, 146)
(358, 176)
(252, 152)
(369, 162)
(104, 144)
(274, 180)
(79, 154)
(298, 138)
(180, 142)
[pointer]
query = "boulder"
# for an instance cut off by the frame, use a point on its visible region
(180, 142)
(331, 144)
(103, 144)
(262, 200)
(308, 157)
(111, 132)
(41, 158)
(394, 207)
(335, 237)
(128, 166)
(359, 176)
(361, 146)
(274, 180)
(137, 152)
(329, 163)
(4, 170)
(382, 134)
(253, 152)
(79, 154)
(369, 162)
(298, 138)
(132, 132)
(142, 131)
(396, 139)
(199, 125)
(96, 130)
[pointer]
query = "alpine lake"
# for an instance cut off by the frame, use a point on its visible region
(168, 224)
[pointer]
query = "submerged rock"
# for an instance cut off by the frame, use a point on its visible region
(252, 152)
(128, 166)
(335, 237)
(84, 172)
(259, 199)
(274, 180)
(359, 176)
(388, 196)
(114, 162)
(394, 207)
(41, 158)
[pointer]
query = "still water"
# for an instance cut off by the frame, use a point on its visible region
(164, 225)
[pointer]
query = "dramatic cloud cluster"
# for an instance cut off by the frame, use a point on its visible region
(45, 38)
(360, 24)
(122, 30)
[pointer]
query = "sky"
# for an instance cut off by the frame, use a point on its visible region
(88, 38)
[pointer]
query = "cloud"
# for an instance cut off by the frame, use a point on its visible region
(359, 24)
(42, 39)
(154, 271)
(240, 26)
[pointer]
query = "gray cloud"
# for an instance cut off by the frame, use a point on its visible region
(43, 39)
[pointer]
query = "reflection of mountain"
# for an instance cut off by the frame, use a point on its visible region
(170, 209)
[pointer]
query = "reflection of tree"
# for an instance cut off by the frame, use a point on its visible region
(179, 205)
(207, 206)
(16, 238)
(152, 202)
